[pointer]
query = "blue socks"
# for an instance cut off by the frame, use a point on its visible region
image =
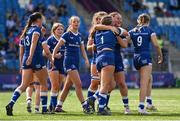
(108, 96)
(95, 96)
(15, 96)
(102, 101)
(125, 101)
(90, 92)
(53, 101)
(44, 101)
(141, 105)
(149, 100)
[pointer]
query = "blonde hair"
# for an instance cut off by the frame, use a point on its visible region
(143, 18)
(99, 14)
(73, 18)
(114, 14)
(55, 26)
(70, 20)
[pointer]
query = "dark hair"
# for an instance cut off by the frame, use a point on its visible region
(106, 20)
(32, 18)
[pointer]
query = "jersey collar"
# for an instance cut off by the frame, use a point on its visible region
(55, 37)
(74, 33)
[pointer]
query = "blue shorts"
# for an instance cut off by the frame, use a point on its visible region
(58, 65)
(141, 60)
(38, 63)
(70, 63)
(119, 66)
(104, 59)
(94, 59)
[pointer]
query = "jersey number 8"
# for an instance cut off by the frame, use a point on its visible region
(139, 41)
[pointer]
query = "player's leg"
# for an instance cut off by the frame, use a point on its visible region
(37, 94)
(29, 92)
(26, 76)
(37, 98)
(149, 102)
(111, 88)
(94, 81)
(67, 85)
(145, 74)
(55, 87)
(42, 76)
(120, 81)
(75, 78)
(106, 78)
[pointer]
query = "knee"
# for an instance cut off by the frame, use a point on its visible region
(94, 85)
(78, 85)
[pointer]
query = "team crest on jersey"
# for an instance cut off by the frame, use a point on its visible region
(38, 66)
(71, 37)
(104, 64)
(144, 61)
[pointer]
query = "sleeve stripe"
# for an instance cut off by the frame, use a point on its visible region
(82, 42)
(36, 33)
(62, 39)
(153, 34)
(44, 42)
(20, 45)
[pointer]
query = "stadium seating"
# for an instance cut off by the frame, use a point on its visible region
(168, 26)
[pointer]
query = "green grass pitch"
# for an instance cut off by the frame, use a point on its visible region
(166, 100)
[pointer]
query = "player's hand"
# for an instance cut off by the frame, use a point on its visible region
(160, 59)
(29, 60)
(87, 63)
(58, 55)
(115, 30)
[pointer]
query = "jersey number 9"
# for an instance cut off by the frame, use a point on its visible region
(139, 41)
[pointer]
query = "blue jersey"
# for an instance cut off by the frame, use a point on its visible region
(28, 40)
(72, 50)
(118, 58)
(105, 39)
(58, 63)
(38, 61)
(141, 38)
(72, 43)
(52, 42)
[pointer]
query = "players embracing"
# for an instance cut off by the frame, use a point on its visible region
(106, 39)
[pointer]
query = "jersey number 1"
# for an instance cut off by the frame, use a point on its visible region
(102, 39)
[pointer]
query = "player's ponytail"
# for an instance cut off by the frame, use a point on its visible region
(32, 18)
(143, 19)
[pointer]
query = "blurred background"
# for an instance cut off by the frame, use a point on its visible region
(165, 21)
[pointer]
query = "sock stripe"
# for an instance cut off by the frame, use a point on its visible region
(44, 105)
(90, 90)
(43, 93)
(12, 101)
(54, 94)
(103, 95)
(18, 90)
(102, 106)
